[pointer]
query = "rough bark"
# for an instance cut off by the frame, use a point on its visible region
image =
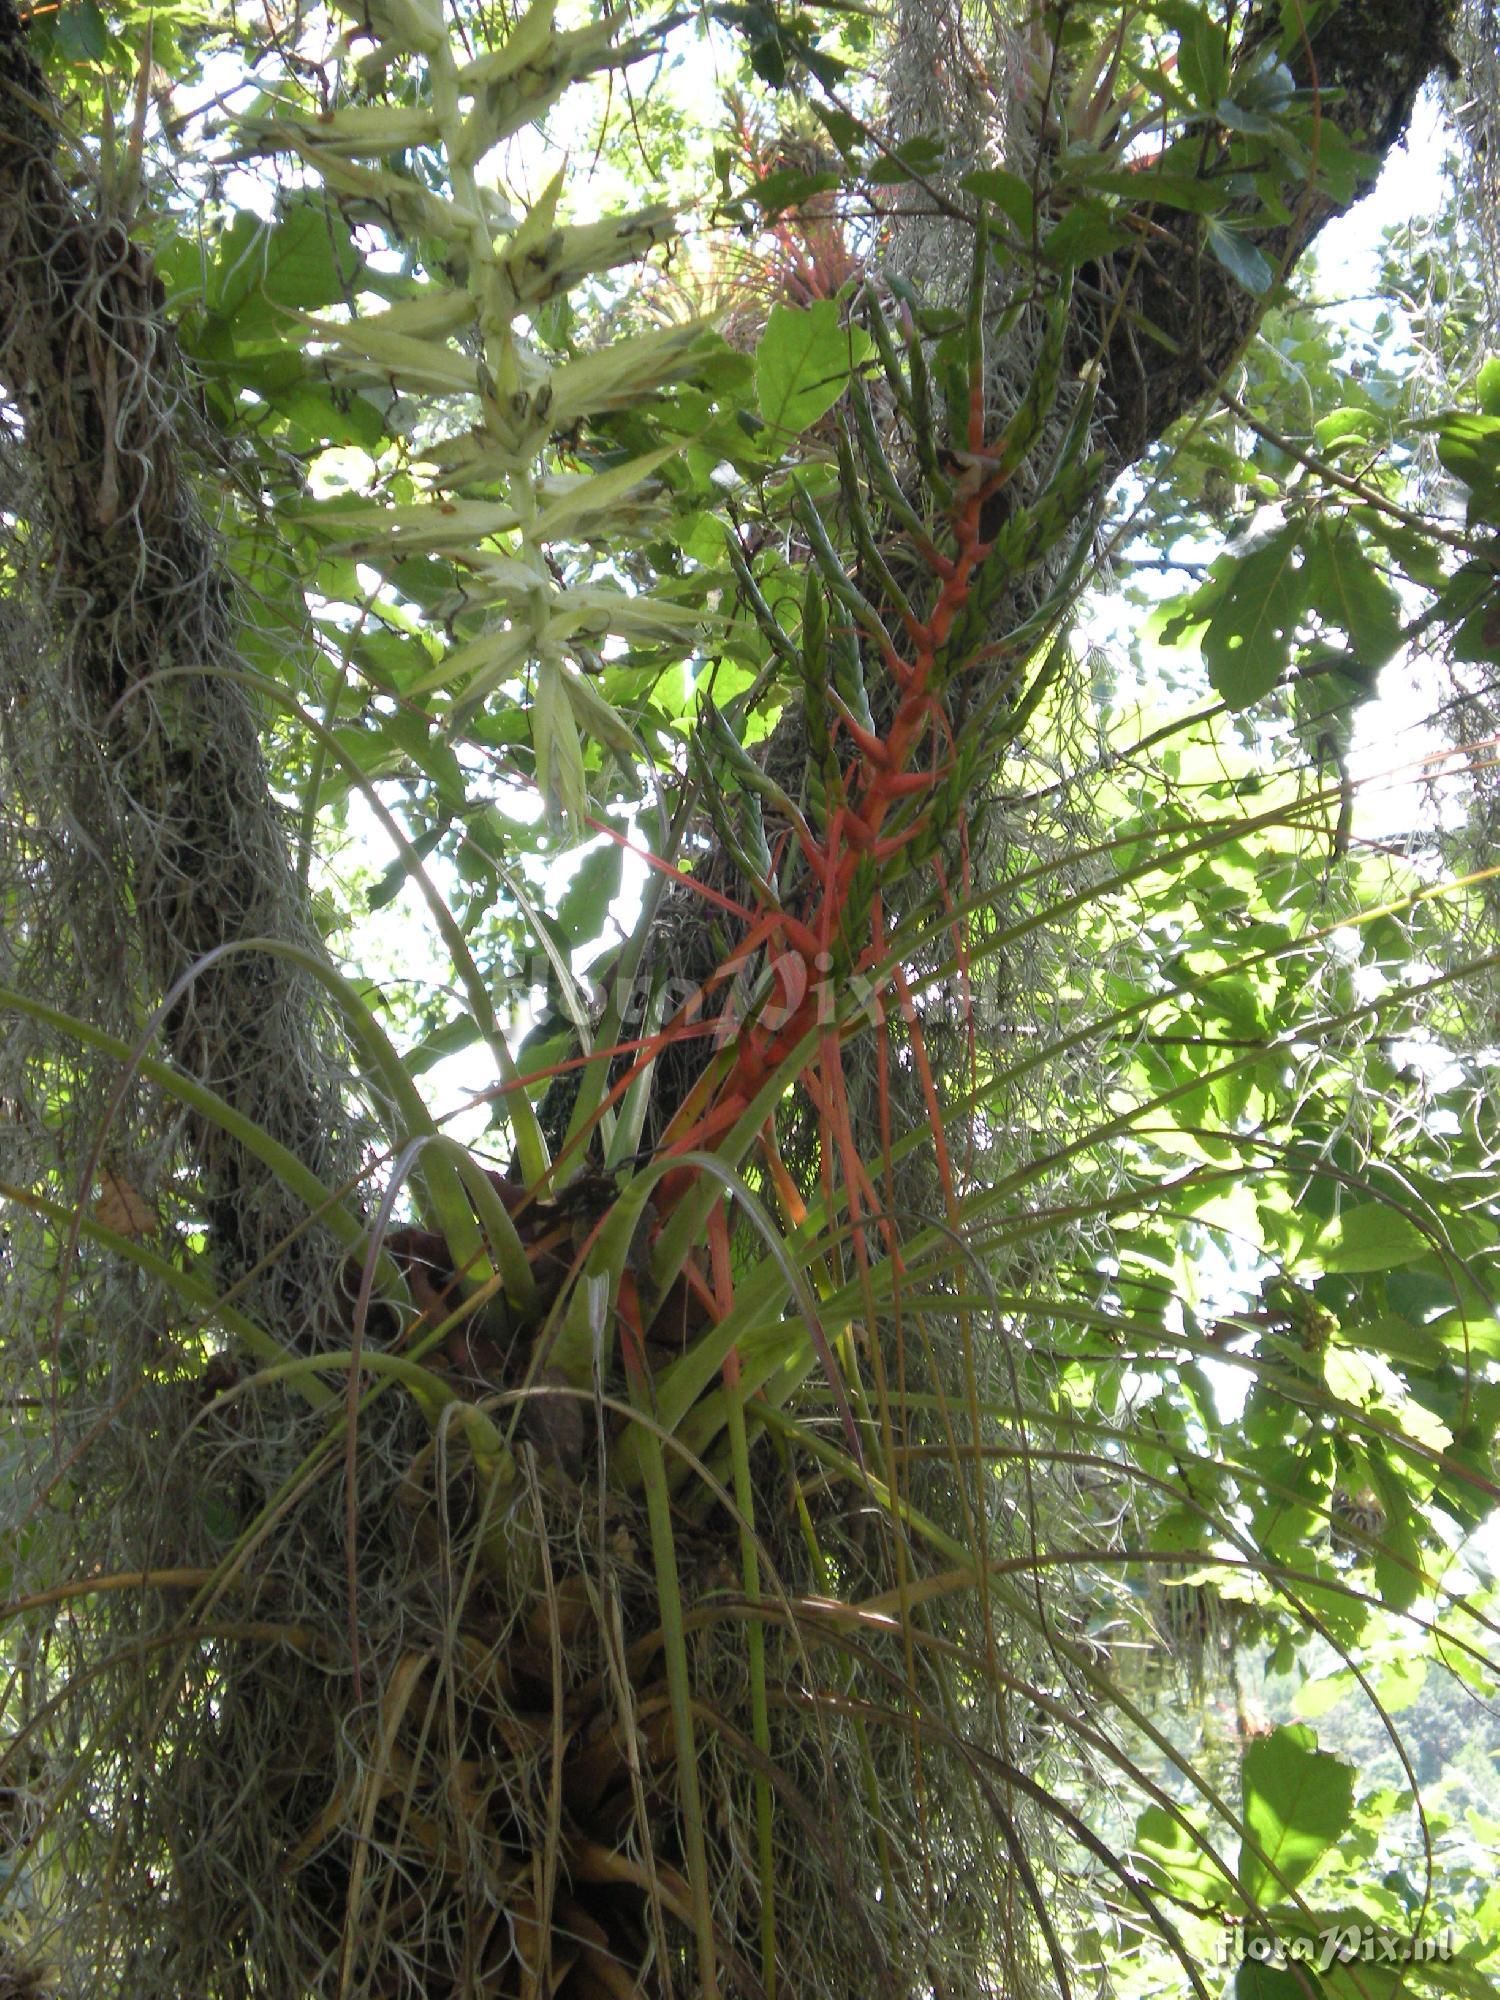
(137, 603)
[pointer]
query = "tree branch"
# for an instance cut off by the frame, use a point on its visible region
(1176, 320)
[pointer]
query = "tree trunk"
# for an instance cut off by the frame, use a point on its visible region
(158, 744)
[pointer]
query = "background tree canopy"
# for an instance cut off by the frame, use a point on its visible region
(749, 1155)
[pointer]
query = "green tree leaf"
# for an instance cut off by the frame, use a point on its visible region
(1239, 256)
(585, 902)
(801, 365)
(1346, 588)
(301, 261)
(1297, 1800)
(1371, 1237)
(1203, 57)
(82, 34)
(1469, 446)
(1007, 191)
(1252, 630)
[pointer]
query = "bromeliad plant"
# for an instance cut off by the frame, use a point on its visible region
(595, 1280)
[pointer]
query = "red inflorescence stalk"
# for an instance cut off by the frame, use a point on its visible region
(884, 776)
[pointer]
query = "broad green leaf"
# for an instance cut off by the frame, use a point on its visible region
(1346, 588)
(1372, 1237)
(391, 883)
(1317, 1698)
(1239, 256)
(1203, 59)
(1268, 85)
(82, 33)
(1398, 1339)
(1089, 229)
(1296, 1802)
(1174, 1859)
(1007, 192)
(1469, 446)
(1258, 1979)
(454, 1035)
(219, 1514)
(585, 902)
(1342, 172)
(846, 131)
(788, 187)
(348, 418)
(1252, 630)
(801, 366)
(1346, 422)
(1470, 597)
(302, 260)
(1153, 186)
(1236, 117)
(1398, 1559)
(1466, 1337)
(1237, 1001)
(922, 154)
